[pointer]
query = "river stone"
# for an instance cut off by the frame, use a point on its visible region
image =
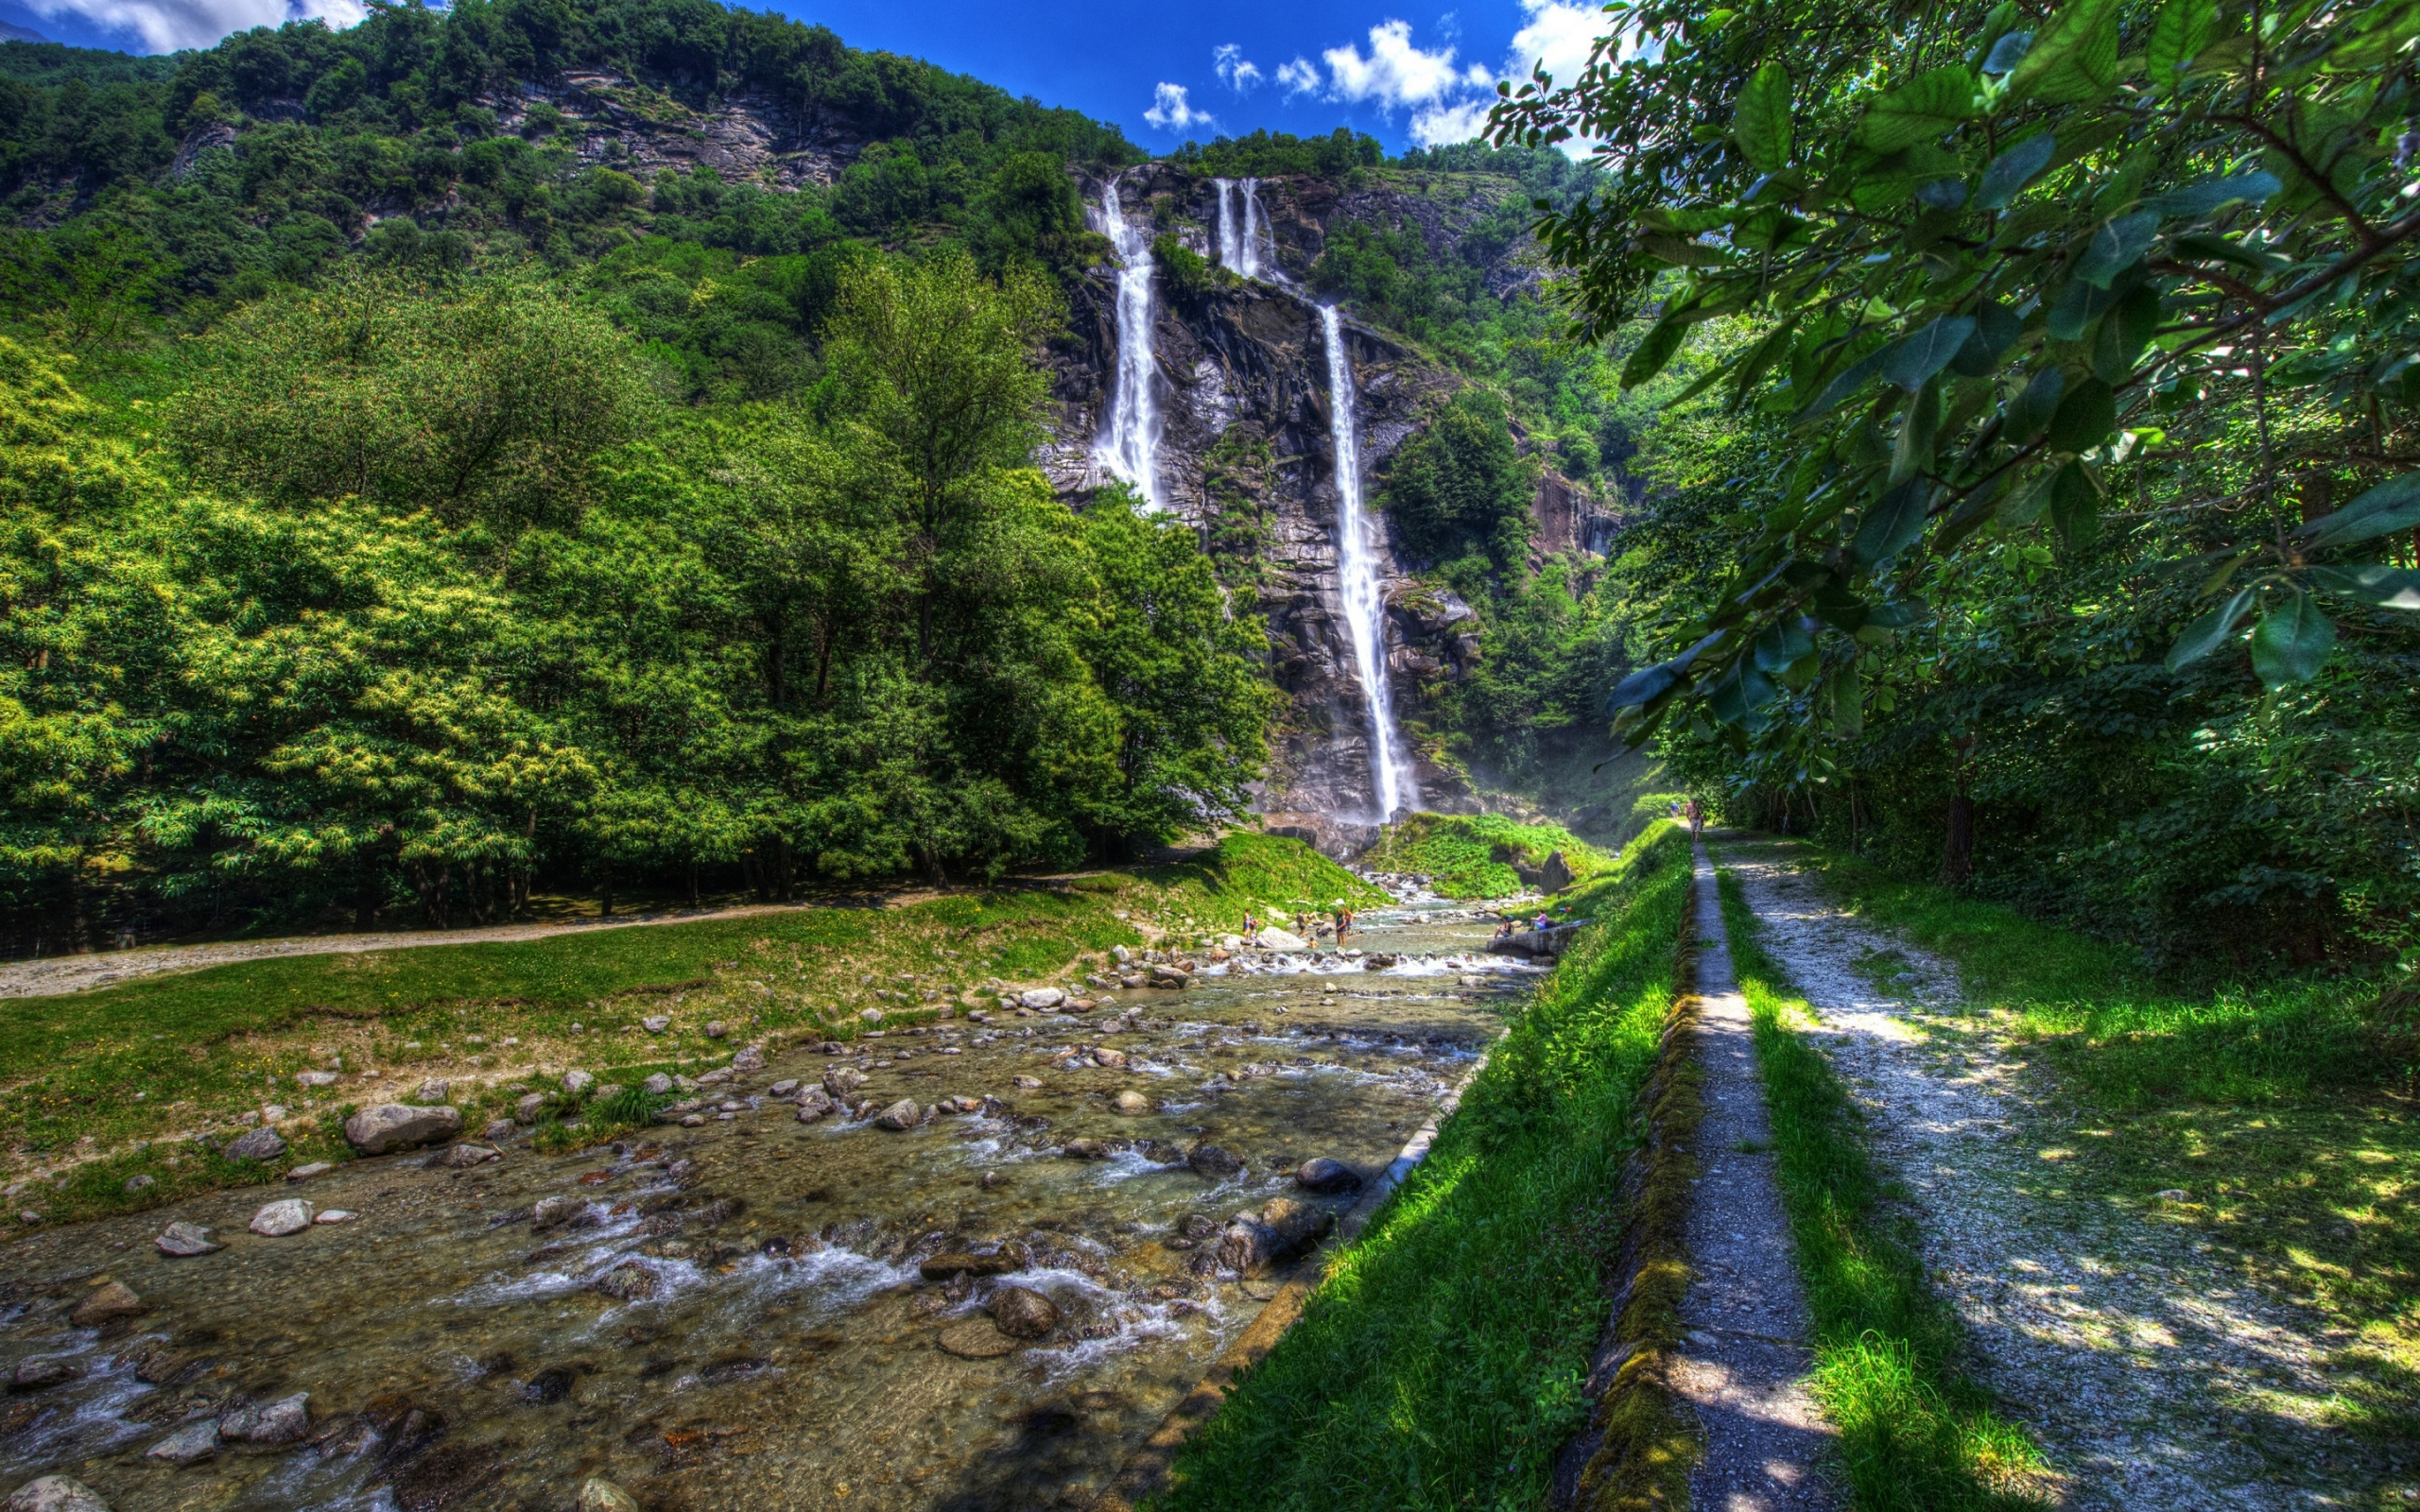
(978, 1339)
(1041, 997)
(1279, 940)
(750, 1057)
(260, 1144)
(1021, 1314)
(1556, 874)
(107, 1301)
(56, 1494)
(1213, 1162)
(1028, 1083)
(529, 1106)
(400, 1127)
(140, 1183)
(189, 1445)
(657, 1023)
(270, 1422)
(552, 1210)
(577, 1082)
(435, 1090)
(333, 1215)
(305, 1173)
(598, 1494)
(1320, 1173)
(38, 1375)
(290, 1215)
(943, 1267)
(842, 1080)
(181, 1241)
(902, 1114)
(813, 1104)
(1114, 1059)
(658, 1085)
(716, 1028)
(1133, 1102)
(499, 1128)
(627, 1283)
(463, 1156)
(316, 1078)
(1084, 1150)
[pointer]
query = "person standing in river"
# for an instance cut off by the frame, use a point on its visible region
(1343, 925)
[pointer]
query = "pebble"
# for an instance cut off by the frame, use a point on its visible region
(189, 1445)
(499, 1128)
(1114, 1059)
(598, 1494)
(716, 1028)
(627, 1283)
(260, 1144)
(813, 1104)
(1028, 1083)
(782, 1088)
(305, 1173)
(316, 1078)
(842, 1080)
(1084, 1150)
(529, 1106)
(1213, 1162)
(435, 1090)
(56, 1494)
(181, 1240)
(901, 1115)
(137, 1183)
(1133, 1102)
(749, 1057)
(109, 1300)
(290, 1215)
(552, 1210)
(283, 1421)
(655, 1024)
(335, 1215)
(35, 1375)
(658, 1085)
(577, 1082)
(463, 1156)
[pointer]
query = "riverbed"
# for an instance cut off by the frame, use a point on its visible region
(777, 1340)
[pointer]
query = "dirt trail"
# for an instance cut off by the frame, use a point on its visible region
(2156, 1378)
(1744, 1359)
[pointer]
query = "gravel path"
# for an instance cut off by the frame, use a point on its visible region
(2154, 1376)
(1744, 1359)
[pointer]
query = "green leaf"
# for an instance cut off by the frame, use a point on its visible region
(2206, 634)
(2208, 197)
(1996, 329)
(2085, 417)
(2220, 250)
(1783, 647)
(1912, 362)
(2075, 508)
(2080, 304)
(1655, 350)
(2381, 511)
(2124, 335)
(1850, 379)
(2013, 170)
(2179, 32)
(2115, 246)
(2073, 58)
(2028, 507)
(2291, 642)
(2374, 584)
(1848, 702)
(1921, 110)
(1650, 683)
(1893, 522)
(1761, 125)
(2007, 52)
(1918, 435)
(2031, 409)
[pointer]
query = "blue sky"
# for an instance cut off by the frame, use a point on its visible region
(1406, 74)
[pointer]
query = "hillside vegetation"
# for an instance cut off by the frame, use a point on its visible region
(1476, 855)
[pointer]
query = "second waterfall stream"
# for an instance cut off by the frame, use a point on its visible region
(1393, 786)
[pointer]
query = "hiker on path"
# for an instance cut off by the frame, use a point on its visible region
(1697, 821)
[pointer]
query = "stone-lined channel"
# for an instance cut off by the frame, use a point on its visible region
(455, 1355)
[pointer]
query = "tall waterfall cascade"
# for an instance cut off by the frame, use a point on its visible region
(1392, 785)
(1128, 444)
(1241, 234)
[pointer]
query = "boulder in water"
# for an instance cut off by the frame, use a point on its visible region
(1281, 939)
(900, 1116)
(1021, 1314)
(277, 1220)
(750, 1057)
(1320, 1173)
(283, 1421)
(189, 1445)
(56, 1494)
(553, 1211)
(1084, 1150)
(813, 1104)
(1132, 1102)
(598, 1494)
(627, 1283)
(463, 1156)
(1113, 1059)
(1213, 1162)
(1041, 997)
(945, 1267)
(39, 1375)
(108, 1302)
(400, 1127)
(181, 1241)
(842, 1080)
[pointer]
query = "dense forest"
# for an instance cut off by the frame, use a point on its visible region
(2033, 456)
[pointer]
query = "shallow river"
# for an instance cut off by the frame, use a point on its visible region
(790, 1355)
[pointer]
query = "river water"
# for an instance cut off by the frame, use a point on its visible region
(454, 1356)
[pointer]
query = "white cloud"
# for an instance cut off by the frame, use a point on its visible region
(1234, 70)
(1301, 76)
(1558, 37)
(166, 26)
(1442, 124)
(1172, 111)
(1395, 72)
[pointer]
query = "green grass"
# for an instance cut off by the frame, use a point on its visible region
(2284, 1110)
(102, 1079)
(1916, 1435)
(1440, 1361)
(1472, 855)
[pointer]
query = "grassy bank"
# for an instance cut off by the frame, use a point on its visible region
(2283, 1113)
(109, 1086)
(1472, 855)
(1915, 1435)
(1439, 1364)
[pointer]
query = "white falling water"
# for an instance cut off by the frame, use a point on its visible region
(1226, 223)
(1129, 445)
(1249, 262)
(1356, 575)
(1239, 241)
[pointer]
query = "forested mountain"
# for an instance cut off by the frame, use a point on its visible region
(520, 447)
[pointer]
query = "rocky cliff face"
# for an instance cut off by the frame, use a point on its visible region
(1247, 457)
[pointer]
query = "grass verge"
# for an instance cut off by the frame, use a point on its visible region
(1916, 1435)
(107, 1088)
(1442, 1361)
(1474, 855)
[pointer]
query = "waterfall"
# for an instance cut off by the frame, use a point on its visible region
(1240, 244)
(1356, 575)
(1128, 444)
